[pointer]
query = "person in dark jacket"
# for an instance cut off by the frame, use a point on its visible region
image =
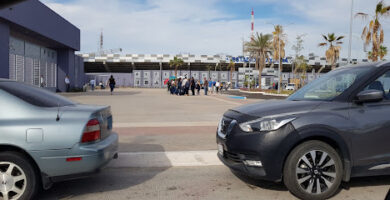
(112, 84)
(186, 86)
(169, 85)
(197, 87)
(192, 85)
(179, 87)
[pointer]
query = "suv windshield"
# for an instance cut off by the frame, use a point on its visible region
(330, 85)
(34, 95)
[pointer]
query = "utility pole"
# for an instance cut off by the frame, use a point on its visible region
(350, 34)
(100, 50)
(280, 63)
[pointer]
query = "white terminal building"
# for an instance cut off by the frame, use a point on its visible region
(150, 70)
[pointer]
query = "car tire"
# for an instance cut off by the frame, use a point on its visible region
(18, 177)
(309, 178)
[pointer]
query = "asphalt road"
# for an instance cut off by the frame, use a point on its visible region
(168, 151)
(211, 182)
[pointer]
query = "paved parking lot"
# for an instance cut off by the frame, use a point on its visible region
(168, 151)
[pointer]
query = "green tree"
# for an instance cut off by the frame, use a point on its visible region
(382, 53)
(260, 48)
(373, 31)
(298, 47)
(301, 68)
(333, 52)
(176, 63)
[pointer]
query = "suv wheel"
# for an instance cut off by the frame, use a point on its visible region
(313, 170)
(18, 179)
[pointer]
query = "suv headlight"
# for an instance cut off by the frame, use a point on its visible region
(268, 124)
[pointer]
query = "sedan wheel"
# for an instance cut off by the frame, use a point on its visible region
(313, 170)
(18, 179)
(12, 181)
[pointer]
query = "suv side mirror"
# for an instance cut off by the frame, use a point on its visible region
(369, 96)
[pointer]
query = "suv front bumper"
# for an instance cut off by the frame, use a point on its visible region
(269, 148)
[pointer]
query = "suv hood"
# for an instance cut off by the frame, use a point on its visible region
(277, 107)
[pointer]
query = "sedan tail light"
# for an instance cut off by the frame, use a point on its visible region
(91, 131)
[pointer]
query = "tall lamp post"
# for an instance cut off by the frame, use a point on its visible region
(350, 34)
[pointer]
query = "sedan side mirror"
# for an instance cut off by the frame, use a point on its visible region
(369, 96)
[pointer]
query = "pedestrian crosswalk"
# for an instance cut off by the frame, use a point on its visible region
(166, 159)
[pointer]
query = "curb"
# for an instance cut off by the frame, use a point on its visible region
(266, 94)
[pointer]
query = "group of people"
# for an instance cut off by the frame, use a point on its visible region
(110, 82)
(182, 86)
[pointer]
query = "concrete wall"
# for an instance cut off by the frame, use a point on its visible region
(37, 17)
(34, 22)
(72, 65)
(155, 78)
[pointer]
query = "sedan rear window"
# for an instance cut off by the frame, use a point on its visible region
(34, 95)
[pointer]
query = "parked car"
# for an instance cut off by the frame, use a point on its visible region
(334, 128)
(45, 138)
(290, 86)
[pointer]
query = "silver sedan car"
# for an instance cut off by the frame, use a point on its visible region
(45, 138)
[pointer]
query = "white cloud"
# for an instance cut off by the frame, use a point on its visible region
(201, 27)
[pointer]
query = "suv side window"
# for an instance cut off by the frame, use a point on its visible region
(381, 84)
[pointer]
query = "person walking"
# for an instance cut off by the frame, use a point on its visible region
(112, 83)
(92, 83)
(210, 85)
(67, 83)
(192, 85)
(205, 86)
(42, 81)
(198, 87)
(214, 89)
(217, 85)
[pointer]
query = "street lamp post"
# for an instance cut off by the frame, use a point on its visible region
(350, 34)
(280, 63)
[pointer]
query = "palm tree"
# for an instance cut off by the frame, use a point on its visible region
(382, 52)
(259, 47)
(279, 42)
(177, 63)
(333, 52)
(231, 67)
(373, 32)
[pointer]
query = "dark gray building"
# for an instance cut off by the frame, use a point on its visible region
(37, 46)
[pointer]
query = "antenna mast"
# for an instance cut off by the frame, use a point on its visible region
(100, 50)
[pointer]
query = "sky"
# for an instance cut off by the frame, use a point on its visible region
(212, 26)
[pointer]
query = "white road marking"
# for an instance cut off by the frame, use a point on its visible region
(163, 124)
(166, 159)
(224, 100)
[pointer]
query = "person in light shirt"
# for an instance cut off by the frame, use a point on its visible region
(67, 83)
(217, 84)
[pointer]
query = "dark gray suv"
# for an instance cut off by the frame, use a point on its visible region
(334, 128)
